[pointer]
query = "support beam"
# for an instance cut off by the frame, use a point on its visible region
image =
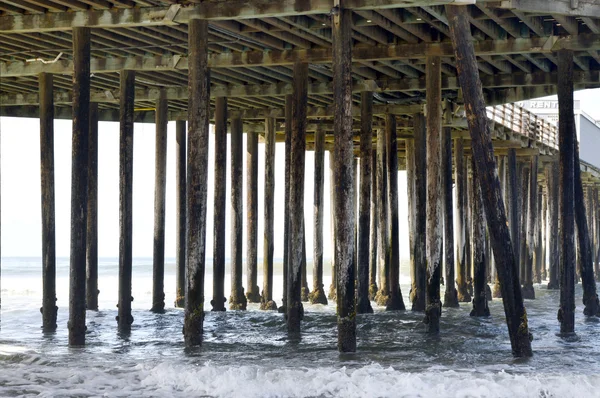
(220, 184)
(286, 196)
(461, 202)
(420, 212)
(267, 302)
(91, 288)
(318, 295)
(180, 213)
(344, 199)
(451, 295)
(79, 184)
(482, 151)
(49, 308)
(317, 55)
(434, 228)
(332, 295)
(364, 216)
(237, 301)
(559, 7)
(480, 304)
(409, 145)
(295, 309)
(532, 215)
(124, 319)
(566, 145)
(540, 249)
(160, 193)
(396, 303)
(513, 200)
(253, 293)
(373, 228)
(197, 161)
(304, 291)
(383, 255)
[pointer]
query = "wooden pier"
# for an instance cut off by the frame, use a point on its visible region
(426, 86)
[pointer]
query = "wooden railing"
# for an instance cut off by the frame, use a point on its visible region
(525, 123)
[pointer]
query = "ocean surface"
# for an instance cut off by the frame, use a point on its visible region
(248, 354)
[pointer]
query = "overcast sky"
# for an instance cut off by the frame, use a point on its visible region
(21, 207)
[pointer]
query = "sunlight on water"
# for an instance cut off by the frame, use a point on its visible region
(248, 354)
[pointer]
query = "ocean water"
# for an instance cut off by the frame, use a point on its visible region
(248, 353)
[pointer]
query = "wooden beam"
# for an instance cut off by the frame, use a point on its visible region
(178, 14)
(585, 8)
(318, 55)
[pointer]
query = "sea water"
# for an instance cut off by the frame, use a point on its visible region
(248, 353)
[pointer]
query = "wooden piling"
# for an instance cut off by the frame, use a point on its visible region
(286, 216)
(253, 293)
(364, 214)
(220, 170)
(267, 302)
(451, 295)
(596, 253)
(420, 212)
(532, 215)
(410, 196)
(304, 291)
(295, 310)
(539, 247)
(503, 174)
(49, 309)
(383, 254)
(197, 161)
(566, 146)
(124, 318)
(523, 206)
(590, 296)
(460, 203)
(395, 303)
(318, 295)
(468, 225)
(344, 202)
(180, 182)
(482, 151)
(332, 295)
(434, 226)
(160, 191)
(373, 227)
(79, 184)
(237, 300)
(91, 255)
(480, 303)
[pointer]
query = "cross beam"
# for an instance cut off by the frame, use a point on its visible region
(363, 53)
(584, 8)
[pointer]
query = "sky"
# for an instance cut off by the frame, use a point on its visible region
(21, 198)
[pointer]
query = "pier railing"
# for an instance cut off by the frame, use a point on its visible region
(525, 124)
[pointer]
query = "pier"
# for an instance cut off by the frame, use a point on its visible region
(498, 197)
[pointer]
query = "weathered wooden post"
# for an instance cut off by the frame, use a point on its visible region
(318, 295)
(523, 205)
(180, 182)
(480, 304)
(218, 300)
(483, 154)
(332, 295)
(566, 146)
(91, 255)
(383, 254)
(253, 293)
(395, 303)
(124, 318)
(468, 225)
(160, 191)
(295, 310)
(364, 221)
(451, 295)
(286, 205)
(344, 199)
(420, 214)
(539, 242)
(590, 295)
(79, 183)
(197, 160)
(267, 302)
(532, 215)
(596, 253)
(460, 202)
(49, 308)
(373, 227)
(512, 171)
(434, 234)
(410, 196)
(304, 291)
(237, 300)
